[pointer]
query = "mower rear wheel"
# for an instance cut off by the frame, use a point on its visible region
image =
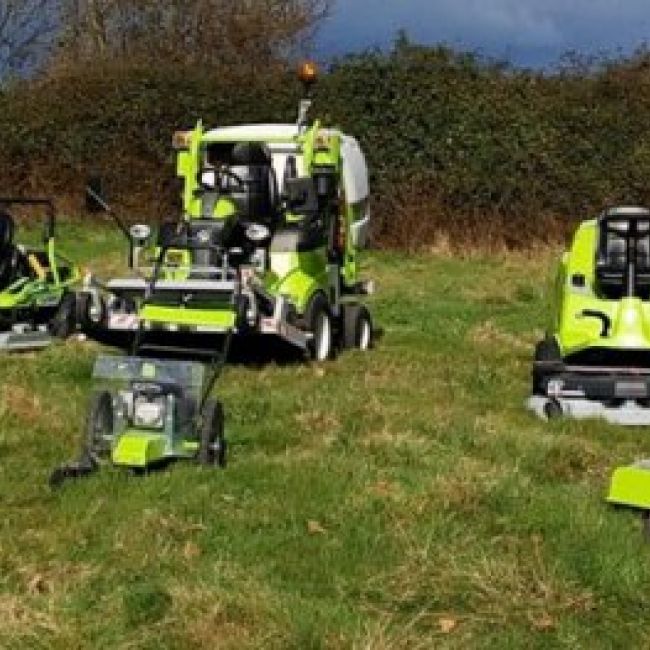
(357, 327)
(91, 314)
(547, 350)
(553, 410)
(319, 321)
(99, 423)
(64, 321)
(213, 446)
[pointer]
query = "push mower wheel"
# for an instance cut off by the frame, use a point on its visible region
(357, 327)
(319, 322)
(99, 423)
(213, 446)
(64, 321)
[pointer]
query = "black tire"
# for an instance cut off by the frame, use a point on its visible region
(318, 319)
(99, 424)
(64, 322)
(212, 445)
(553, 410)
(357, 330)
(89, 315)
(547, 350)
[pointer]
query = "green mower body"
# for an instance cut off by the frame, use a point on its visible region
(148, 411)
(36, 283)
(273, 219)
(596, 361)
(630, 486)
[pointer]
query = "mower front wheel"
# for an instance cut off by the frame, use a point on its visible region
(319, 321)
(213, 446)
(357, 327)
(64, 321)
(91, 311)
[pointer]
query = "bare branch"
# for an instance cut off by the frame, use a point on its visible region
(213, 32)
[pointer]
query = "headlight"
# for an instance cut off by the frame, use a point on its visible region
(209, 179)
(140, 232)
(203, 236)
(257, 232)
(149, 413)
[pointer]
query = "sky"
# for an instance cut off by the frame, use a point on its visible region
(532, 33)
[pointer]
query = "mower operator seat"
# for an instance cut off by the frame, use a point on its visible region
(256, 197)
(619, 226)
(9, 254)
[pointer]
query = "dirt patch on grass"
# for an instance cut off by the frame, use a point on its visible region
(25, 405)
(212, 617)
(463, 489)
(487, 334)
(22, 621)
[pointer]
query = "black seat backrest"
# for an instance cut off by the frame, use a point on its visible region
(255, 197)
(9, 254)
(308, 233)
(619, 237)
(643, 254)
(611, 264)
(300, 196)
(643, 266)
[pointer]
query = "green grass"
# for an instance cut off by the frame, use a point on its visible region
(402, 498)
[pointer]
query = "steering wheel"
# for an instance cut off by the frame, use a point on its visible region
(220, 175)
(9, 258)
(227, 172)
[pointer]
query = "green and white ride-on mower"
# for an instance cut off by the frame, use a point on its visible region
(597, 361)
(36, 298)
(148, 412)
(274, 216)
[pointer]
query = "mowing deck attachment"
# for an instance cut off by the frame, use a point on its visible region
(630, 487)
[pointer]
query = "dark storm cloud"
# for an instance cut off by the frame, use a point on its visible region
(528, 31)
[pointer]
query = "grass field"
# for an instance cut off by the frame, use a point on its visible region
(398, 499)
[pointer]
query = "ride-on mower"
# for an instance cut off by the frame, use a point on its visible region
(597, 361)
(274, 216)
(36, 301)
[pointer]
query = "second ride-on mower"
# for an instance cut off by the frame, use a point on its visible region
(274, 216)
(597, 361)
(36, 298)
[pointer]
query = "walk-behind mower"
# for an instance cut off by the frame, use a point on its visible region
(274, 216)
(597, 362)
(36, 300)
(147, 412)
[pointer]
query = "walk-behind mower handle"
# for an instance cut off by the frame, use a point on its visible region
(46, 203)
(95, 196)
